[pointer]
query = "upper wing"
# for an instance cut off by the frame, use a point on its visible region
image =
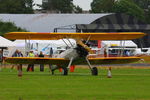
(85, 36)
(80, 61)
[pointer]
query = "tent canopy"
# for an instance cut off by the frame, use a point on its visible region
(6, 43)
(127, 43)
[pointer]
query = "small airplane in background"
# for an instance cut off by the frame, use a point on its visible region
(76, 55)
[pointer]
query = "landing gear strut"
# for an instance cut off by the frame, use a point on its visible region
(65, 70)
(94, 70)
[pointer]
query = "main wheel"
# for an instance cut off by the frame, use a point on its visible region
(52, 72)
(64, 71)
(94, 71)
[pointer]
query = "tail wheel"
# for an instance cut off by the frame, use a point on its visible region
(94, 71)
(64, 71)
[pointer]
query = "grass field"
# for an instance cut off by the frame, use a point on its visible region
(126, 84)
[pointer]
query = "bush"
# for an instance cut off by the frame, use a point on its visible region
(9, 27)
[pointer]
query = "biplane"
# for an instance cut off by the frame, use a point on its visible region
(77, 55)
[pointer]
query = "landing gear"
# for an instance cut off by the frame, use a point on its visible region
(52, 72)
(53, 68)
(94, 71)
(65, 71)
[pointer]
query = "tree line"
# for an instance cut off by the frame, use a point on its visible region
(26, 6)
(63, 6)
(137, 8)
(16, 6)
(9, 27)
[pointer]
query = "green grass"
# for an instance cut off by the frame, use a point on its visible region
(126, 84)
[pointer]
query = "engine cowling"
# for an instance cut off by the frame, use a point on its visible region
(82, 52)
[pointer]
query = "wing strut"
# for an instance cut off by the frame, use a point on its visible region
(88, 39)
(65, 42)
(65, 70)
(70, 42)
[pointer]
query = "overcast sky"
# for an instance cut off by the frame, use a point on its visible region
(84, 4)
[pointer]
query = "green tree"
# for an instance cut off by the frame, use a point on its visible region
(28, 4)
(142, 3)
(63, 6)
(100, 6)
(16, 6)
(145, 4)
(119, 6)
(129, 7)
(148, 16)
(9, 27)
(77, 9)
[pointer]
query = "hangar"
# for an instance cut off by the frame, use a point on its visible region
(81, 23)
(119, 23)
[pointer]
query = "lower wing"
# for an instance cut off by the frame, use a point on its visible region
(36, 60)
(62, 61)
(114, 60)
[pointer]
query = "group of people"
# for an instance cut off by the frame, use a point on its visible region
(30, 67)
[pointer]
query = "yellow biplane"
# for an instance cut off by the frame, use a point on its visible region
(77, 55)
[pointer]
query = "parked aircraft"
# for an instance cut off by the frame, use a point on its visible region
(77, 55)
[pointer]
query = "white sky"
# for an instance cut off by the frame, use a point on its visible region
(84, 4)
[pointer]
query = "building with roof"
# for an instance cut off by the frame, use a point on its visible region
(48, 22)
(80, 23)
(119, 23)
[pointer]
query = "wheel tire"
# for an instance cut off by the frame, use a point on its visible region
(64, 71)
(52, 72)
(94, 71)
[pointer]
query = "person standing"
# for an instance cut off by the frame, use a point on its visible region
(17, 53)
(31, 66)
(41, 65)
(51, 52)
(128, 53)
